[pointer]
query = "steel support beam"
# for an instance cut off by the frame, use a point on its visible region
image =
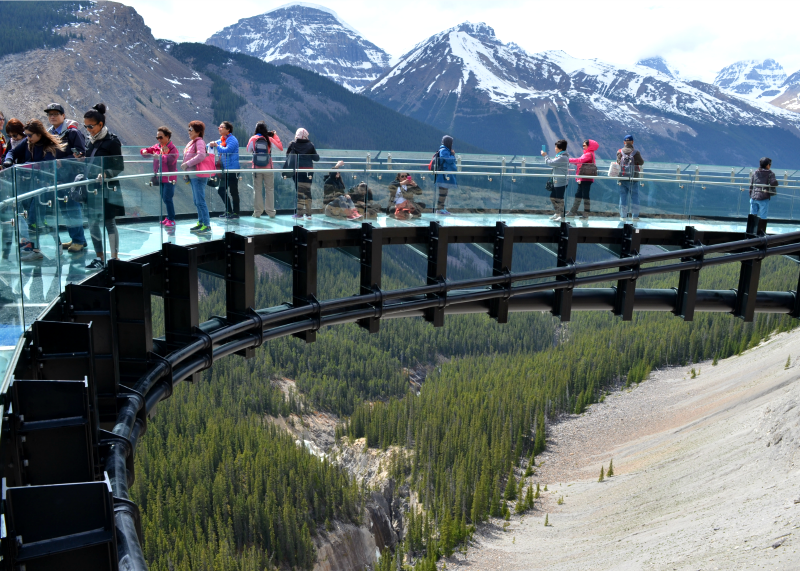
(240, 281)
(750, 273)
(131, 282)
(371, 262)
(567, 253)
(626, 289)
(688, 279)
(501, 266)
(437, 271)
(304, 274)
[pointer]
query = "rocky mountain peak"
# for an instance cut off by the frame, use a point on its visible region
(308, 36)
(753, 79)
(658, 63)
(480, 29)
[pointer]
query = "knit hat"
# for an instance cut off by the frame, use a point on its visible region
(301, 134)
(447, 141)
(628, 138)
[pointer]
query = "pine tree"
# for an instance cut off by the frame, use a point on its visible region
(536, 495)
(546, 520)
(529, 498)
(610, 468)
(494, 507)
(788, 362)
(510, 492)
(506, 511)
(602, 475)
(714, 362)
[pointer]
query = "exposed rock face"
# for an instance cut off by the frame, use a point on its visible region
(308, 36)
(118, 63)
(346, 548)
(752, 78)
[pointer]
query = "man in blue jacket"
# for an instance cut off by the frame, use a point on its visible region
(228, 148)
(445, 162)
(70, 133)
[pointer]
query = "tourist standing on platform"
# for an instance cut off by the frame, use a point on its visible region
(445, 161)
(70, 134)
(260, 145)
(587, 167)
(763, 186)
(630, 163)
(301, 155)
(16, 137)
(165, 159)
(105, 203)
(228, 148)
(195, 158)
(3, 141)
(560, 164)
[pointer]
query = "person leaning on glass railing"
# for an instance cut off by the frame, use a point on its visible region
(196, 158)
(630, 163)
(301, 155)
(260, 145)
(763, 186)
(70, 134)
(560, 164)
(165, 159)
(228, 148)
(103, 159)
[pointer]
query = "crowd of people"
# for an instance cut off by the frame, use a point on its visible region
(97, 160)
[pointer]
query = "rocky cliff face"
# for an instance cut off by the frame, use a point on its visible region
(119, 63)
(308, 36)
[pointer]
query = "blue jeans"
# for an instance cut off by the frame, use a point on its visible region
(199, 197)
(167, 192)
(760, 208)
(625, 187)
(73, 219)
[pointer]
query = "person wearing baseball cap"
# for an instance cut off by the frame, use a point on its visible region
(70, 134)
(630, 163)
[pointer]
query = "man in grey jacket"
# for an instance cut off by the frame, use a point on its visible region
(560, 164)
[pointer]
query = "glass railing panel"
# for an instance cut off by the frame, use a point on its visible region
(718, 200)
(527, 194)
(12, 323)
(74, 218)
(461, 193)
(40, 247)
(660, 198)
(782, 203)
(138, 199)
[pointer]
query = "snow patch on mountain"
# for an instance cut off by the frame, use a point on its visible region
(752, 79)
(658, 63)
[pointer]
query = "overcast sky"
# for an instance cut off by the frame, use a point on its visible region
(698, 37)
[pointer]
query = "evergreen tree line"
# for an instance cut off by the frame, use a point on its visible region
(28, 26)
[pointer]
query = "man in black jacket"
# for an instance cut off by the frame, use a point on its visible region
(70, 133)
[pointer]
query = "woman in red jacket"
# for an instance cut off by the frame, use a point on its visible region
(165, 159)
(584, 184)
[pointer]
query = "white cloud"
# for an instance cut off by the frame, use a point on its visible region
(698, 37)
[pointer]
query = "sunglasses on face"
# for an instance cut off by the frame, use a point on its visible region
(29, 134)
(90, 127)
(191, 130)
(159, 137)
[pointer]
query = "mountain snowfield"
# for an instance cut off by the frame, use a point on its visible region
(308, 36)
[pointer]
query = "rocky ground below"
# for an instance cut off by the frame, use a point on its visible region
(707, 476)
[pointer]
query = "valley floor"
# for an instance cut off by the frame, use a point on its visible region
(707, 476)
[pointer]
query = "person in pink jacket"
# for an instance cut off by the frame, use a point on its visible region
(194, 157)
(165, 159)
(584, 184)
(263, 181)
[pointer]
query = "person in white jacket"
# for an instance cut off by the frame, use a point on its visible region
(560, 164)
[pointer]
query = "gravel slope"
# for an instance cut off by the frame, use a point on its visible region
(707, 476)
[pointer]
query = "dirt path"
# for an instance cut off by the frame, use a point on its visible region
(707, 476)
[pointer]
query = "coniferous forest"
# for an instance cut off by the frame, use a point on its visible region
(221, 487)
(29, 25)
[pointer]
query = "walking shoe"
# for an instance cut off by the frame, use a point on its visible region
(635, 218)
(196, 228)
(444, 212)
(95, 264)
(164, 222)
(623, 218)
(225, 215)
(27, 255)
(273, 215)
(555, 216)
(232, 216)
(308, 216)
(256, 215)
(584, 215)
(169, 223)
(297, 215)
(66, 245)
(75, 248)
(205, 231)
(569, 214)
(354, 216)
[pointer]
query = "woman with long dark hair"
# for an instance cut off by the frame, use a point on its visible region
(260, 145)
(105, 203)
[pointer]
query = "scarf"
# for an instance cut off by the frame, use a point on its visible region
(101, 135)
(301, 134)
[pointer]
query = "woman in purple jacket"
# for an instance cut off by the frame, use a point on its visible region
(165, 159)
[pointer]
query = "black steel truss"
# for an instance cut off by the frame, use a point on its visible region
(90, 372)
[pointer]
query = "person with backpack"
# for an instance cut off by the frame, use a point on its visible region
(165, 159)
(301, 155)
(196, 158)
(558, 185)
(70, 134)
(763, 186)
(587, 168)
(444, 161)
(260, 145)
(228, 148)
(630, 163)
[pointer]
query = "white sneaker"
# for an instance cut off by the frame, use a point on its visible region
(623, 218)
(555, 217)
(635, 218)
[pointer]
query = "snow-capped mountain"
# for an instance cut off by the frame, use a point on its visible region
(308, 36)
(498, 96)
(658, 63)
(753, 79)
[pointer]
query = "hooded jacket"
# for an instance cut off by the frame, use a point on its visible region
(763, 184)
(560, 164)
(167, 162)
(586, 157)
(446, 162)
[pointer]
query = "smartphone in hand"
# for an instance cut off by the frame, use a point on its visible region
(544, 148)
(76, 152)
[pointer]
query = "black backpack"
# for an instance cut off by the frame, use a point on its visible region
(261, 153)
